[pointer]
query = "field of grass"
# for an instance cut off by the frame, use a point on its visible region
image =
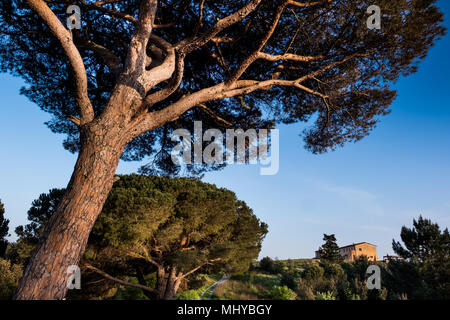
(237, 290)
(251, 286)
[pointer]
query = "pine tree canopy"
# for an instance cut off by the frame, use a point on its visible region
(233, 63)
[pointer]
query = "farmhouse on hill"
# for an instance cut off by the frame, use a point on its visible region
(355, 250)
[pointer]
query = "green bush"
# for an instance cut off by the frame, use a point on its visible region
(269, 265)
(325, 296)
(9, 278)
(265, 280)
(282, 293)
(304, 290)
(333, 270)
(255, 290)
(130, 293)
(312, 271)
(189, 295)
(288, 280)
(198, 281)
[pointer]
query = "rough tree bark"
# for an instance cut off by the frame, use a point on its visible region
(173, 283)
(103, 140)
(68, 229)
(160, 282)
(127, 115)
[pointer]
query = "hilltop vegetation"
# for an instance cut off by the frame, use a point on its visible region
(164, 238)
(153, 235)
(423, 272)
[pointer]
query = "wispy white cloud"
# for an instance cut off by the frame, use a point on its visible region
(351, 194)
(378, 228)
(362, 201)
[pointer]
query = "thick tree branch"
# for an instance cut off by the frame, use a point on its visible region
(110, 59)
(256, 54)
(145, 257)
(119, 281)
(182, 276)
(134, 75)
(137, 52)
(98, 6)
(200, 17)
(288, 57)
(176, 69)
(220, 91)
(189, 45)
(72, 53)
(307, 4)
(214, 116)
(155, 119)
(165, 70)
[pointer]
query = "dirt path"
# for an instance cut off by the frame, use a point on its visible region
(210, 290)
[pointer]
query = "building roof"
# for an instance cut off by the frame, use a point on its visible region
(355, 244)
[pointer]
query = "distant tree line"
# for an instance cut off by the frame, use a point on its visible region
(153, 234)
(157, 238)
(4, 230)
(423, 272)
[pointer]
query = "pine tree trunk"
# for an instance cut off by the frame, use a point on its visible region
(160, 283)
(66, 234)
(176, 286)
(172, 286)
(171, 289)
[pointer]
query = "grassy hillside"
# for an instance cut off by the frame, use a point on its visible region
(304, 279)
(251, 286)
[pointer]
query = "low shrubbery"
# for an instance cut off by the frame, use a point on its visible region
(9, 278)
(282, 293)
(189, 295)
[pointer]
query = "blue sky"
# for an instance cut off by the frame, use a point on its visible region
(362, 192)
